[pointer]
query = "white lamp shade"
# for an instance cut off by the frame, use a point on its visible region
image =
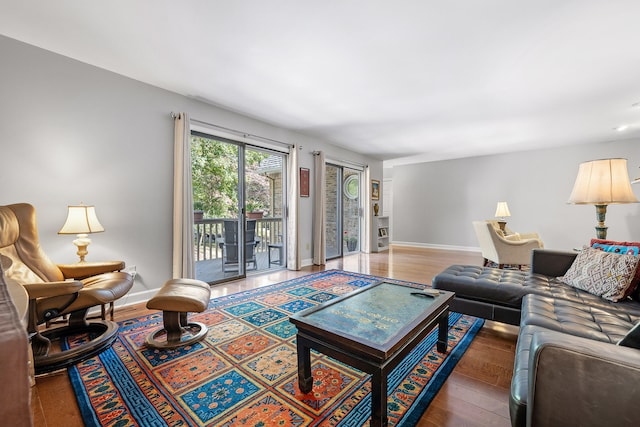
(81, 220)
(602, 182)
(502, 210)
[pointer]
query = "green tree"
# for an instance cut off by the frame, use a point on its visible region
(258, 198)
(215, 178)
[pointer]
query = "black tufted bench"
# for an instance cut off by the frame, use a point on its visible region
(497, 294)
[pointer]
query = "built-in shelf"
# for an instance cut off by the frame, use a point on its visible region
(381, 227)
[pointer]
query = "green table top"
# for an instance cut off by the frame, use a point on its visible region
(376, 314)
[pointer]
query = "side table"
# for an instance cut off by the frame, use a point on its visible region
(280, 249)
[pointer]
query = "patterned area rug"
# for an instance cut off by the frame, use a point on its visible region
(245, 372)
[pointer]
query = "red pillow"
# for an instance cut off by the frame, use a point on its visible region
(629, 248)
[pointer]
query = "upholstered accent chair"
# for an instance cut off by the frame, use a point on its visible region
(58, 291)
(505, 248)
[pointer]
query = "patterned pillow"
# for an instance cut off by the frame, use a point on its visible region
(605, 274)
(629, 248)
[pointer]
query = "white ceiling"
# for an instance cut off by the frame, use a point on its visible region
(424, 79)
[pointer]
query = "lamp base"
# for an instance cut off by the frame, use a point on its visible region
(82, 242)
(601, 229)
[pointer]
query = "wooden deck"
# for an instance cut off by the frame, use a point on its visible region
(210, 270)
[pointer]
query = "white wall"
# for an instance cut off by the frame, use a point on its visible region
(435, 203)
(72, 133)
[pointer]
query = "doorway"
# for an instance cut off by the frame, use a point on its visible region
(238, 194)
(343, 210)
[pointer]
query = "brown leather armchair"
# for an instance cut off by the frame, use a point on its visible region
(54, 292)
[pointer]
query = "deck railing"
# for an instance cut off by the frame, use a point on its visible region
(208, 231)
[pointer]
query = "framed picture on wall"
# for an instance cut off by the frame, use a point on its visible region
(375, 189)
(304, 182)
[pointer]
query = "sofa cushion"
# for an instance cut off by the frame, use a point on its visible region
(626, 248)
(606, 274)
(491, 285)
(576, 319)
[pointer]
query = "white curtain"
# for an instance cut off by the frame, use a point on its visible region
(182, 200)
(293, 254)
(319, 202)
(366, 194)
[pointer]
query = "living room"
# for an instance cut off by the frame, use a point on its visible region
(74, 132)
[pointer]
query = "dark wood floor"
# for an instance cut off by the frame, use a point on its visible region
(476, 393)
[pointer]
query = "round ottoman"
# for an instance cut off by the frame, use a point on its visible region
(176, 299)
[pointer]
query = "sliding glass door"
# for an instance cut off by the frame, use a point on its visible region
(238, 194)
(343, 210)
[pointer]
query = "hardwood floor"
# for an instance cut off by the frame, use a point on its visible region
(475, 394)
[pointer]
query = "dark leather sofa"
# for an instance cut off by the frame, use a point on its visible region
(568, 368)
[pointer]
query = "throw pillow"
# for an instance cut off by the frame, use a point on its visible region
(605, 274)
(632, 339)
(629, 248)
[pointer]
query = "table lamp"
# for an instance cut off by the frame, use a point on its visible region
(601, 183)
(81, 220)
(502, 211)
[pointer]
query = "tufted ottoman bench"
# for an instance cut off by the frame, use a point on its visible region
(496, 294)
(176, 298)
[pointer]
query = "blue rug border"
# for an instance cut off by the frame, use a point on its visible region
(413, 415)
(87, 413)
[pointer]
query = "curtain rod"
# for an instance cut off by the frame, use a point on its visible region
(237, 132)
(315, 153)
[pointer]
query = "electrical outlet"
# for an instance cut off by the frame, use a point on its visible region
(131, 269)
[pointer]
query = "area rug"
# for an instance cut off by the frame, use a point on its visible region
(245, 372)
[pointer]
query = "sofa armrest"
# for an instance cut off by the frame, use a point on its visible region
(551, 263)
(578, 381)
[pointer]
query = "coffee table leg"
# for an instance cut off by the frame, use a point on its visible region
(305, 379)
(443, 333)
(379, 399)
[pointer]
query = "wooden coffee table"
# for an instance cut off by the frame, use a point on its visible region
(372, 329)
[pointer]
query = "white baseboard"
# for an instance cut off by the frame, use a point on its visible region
(436, 246)
(136, 297)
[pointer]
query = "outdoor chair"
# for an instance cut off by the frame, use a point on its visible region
(230, 245)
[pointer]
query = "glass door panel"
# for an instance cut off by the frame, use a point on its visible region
(351, 210)
(333, 212)
(265, 184)
(218, 191)
(343, 211)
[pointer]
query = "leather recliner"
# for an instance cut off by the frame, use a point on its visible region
(54, 292)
